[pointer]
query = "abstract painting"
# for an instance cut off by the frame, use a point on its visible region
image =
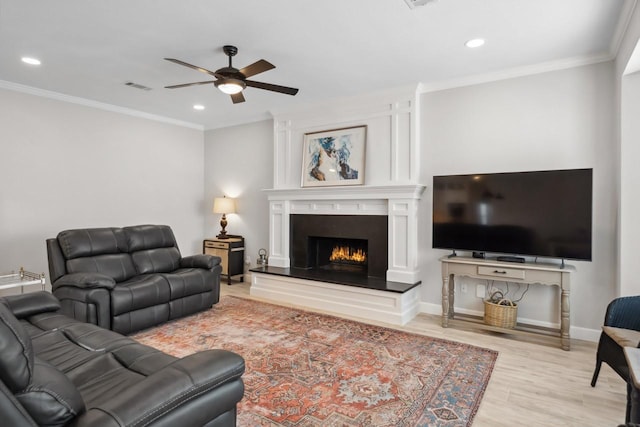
(334, 157)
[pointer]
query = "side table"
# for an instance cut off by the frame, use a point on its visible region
(21, 279)
(231, 251)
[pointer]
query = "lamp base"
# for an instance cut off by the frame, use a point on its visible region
(223, 225)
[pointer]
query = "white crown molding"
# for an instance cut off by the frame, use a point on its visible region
(241, 122)
(95, 104)
(345, 103)
(623, 25)
(527, 70)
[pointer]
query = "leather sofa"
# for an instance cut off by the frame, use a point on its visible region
(58, 371)
(131, 278)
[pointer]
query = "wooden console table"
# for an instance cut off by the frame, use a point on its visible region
(528, 273)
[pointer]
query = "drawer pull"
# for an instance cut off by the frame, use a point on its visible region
(500, 272)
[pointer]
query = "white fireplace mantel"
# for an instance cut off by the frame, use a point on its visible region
(398, 202)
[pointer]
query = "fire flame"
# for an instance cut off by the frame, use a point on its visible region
(345, 253)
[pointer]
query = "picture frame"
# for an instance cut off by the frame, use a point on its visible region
(334, 157)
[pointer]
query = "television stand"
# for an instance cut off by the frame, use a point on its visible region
(527, 273)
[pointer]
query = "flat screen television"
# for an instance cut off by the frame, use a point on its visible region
(540, 213)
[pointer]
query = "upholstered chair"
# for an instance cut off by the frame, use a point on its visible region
(621, 329)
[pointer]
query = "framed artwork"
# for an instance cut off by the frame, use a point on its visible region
(334, 157)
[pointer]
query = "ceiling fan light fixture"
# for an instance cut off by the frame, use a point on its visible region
(231, 86)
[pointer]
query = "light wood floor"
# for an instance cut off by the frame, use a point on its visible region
(532, 384)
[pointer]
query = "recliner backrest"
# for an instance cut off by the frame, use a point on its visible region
(153, 248)
(45, 393)
(97, 250)
(16, 352)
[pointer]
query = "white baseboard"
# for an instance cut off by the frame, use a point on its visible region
(576, 332)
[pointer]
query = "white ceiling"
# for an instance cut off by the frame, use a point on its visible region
(328, 48)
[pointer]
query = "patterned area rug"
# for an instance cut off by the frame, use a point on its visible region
(307, 369)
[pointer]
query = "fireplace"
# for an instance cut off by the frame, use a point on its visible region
(344, 245)
(337, 254)
(379, 221)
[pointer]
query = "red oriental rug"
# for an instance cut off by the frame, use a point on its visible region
(308, 369)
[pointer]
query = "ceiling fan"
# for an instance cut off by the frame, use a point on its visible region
(233, 81)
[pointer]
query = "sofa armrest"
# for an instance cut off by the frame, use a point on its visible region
(200, 261)
(623, 313)
(25, 305)
(199, 388)
(85, 280)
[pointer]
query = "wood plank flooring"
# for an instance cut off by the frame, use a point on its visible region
(534, 384)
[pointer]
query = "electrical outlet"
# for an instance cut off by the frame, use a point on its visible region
(463, 288)
(481, 291)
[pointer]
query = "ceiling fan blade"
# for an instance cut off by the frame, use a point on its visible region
(189, 84)
(274, 88)
(257, 68)
(195, 67)
(237, 97)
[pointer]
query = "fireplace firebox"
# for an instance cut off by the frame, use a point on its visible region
(349, 244)
(339, 254)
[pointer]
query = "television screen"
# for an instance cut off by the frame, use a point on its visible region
(542, 213)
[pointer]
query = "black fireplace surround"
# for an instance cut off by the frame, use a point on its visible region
(312, 236)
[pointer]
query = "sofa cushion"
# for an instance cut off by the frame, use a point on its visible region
(117, 266)
(188, 281)
(139, 292)
(159, 260)
(91, 242)
(141, 237)
(16, 352)
(623, 337)
(153, 248)
(50, 398)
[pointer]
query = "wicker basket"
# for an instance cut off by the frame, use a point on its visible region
(500, 312)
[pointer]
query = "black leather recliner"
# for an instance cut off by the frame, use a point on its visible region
(131, 278)
(57, 371)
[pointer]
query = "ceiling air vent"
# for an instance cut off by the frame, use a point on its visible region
(137, 86)
(415, 3)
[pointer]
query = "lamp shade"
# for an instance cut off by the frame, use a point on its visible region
(224, 205)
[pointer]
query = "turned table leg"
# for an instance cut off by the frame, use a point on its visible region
(564, 320)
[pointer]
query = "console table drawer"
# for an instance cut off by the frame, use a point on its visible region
(219, 245)
(500, 272)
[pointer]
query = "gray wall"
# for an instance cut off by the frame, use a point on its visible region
(556, 120)
(239, 164)
(628, 94)
(67, 166)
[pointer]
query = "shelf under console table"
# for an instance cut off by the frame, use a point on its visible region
(527, 273)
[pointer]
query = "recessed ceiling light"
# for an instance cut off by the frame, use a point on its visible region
(474, 43)
(198, 107)
(30, 61)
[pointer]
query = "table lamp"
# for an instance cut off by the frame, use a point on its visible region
(224, 206)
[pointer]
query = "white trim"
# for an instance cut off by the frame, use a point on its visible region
(359, 192)
(622, 27)
(95, 104)
(515, 72)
